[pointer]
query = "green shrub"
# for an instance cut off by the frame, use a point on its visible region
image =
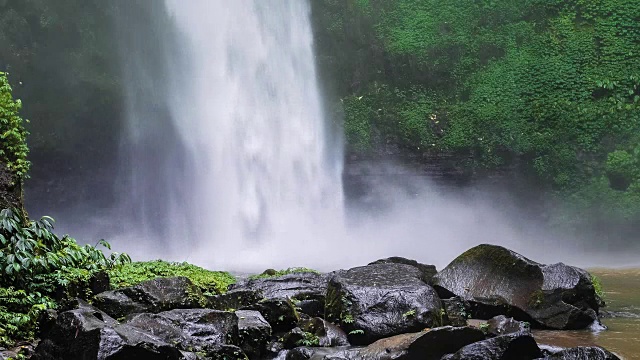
(35, 265)
(13, 144)
(210, 282)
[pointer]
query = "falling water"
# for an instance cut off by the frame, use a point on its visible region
(250, 171)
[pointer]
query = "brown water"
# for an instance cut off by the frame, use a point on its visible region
(622, 294)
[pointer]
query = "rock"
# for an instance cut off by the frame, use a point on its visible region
(582, 353)
(196, 330)
(280, 313)
(498, 281)
(427, 345)
(10, 189)
(88, 333)
(234, 299)
(306, 290)
(328, 334)
(152, 296)
(501, 325)
(377, 301)
(428, 271)
(457, 311)
(322, 353)
(517, 346)
(253, 333)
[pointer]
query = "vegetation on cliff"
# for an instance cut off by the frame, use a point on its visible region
(13, 143)
(548, 87)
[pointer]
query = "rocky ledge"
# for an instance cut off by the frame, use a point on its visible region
(390, 309)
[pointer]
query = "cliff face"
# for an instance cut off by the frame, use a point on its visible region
(10, 189)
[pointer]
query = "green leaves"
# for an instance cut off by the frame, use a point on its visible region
(13, 145)
(35, 261)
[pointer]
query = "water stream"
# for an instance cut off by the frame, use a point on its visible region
(254, 170)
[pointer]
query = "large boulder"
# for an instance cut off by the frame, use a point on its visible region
(88, 333)
(210, 332)
(306, 290)
(427, 345)
(428, 271)
(151, 296)
(516, 346)
(498, 281)
(377, 301)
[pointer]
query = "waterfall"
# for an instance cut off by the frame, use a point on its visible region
(246, 170)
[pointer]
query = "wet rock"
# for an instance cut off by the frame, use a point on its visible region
(88, 333)
(152, 296)
(377, 301)
(253, 333)
(233, 300)
(428, 271)
(457, 311)
(320, 353)
(501, 325)
(280, 313)
(195, 330)
(315, 332)
(428, 345)
(306, 290)
(328, 334)
(517, 346)
(582, 353)
(497, 281)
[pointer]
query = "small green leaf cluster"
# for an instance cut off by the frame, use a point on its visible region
(210, 282)
(308, 339)
(13, 136)
(37, 268)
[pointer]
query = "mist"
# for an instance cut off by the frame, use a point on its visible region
(238, 176)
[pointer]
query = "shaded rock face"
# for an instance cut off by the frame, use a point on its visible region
(253, 332)
(518, 346)
(10, 189)
(457, 311)
(152, 296)
(429, 345)
(497, 281)
(88, 333)
(196, 330)
(428, 271)
(376, 301)
(307, 290)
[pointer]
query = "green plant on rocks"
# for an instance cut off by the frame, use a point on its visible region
(35, 265)
(13, 145)
(209, 282)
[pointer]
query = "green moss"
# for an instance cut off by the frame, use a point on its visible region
(210, 282)
(597, 286)
(270, 273)
(536, 298)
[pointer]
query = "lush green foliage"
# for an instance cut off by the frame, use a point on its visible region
(552, 86)
(13, 142)
(210, 282)
(270, 273)
(39, 268)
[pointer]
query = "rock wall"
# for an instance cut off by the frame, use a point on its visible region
(10, 189)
